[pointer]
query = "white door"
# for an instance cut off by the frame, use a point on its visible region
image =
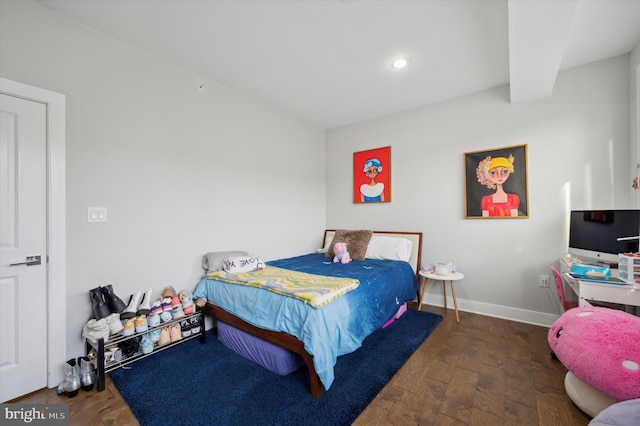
(23, 237)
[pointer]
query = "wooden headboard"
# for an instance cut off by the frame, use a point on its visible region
(414, 237)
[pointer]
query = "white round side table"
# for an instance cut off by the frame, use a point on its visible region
(456, 276)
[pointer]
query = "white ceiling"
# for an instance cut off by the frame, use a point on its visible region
(329, 61)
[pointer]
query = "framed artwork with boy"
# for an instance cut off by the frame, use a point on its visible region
(372, 176)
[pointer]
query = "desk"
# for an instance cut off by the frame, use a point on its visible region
(588, 290)
(426, 276)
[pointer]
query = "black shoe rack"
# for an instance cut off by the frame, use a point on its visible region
(117, 340)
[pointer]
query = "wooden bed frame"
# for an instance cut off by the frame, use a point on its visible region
(292, 343)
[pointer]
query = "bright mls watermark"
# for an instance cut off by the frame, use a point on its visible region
(34, 414)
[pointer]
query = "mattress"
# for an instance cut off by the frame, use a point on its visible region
(333, 330)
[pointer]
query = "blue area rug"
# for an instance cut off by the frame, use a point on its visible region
(207, 384)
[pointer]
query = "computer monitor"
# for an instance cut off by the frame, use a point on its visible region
(600, 235)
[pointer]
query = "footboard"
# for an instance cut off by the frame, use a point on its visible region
(279, 338)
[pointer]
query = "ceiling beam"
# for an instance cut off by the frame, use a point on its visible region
(538, 34)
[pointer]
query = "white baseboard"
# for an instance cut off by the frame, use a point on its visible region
(505, 312)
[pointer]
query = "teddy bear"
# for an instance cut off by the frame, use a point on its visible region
(187, 301)
(341, 253)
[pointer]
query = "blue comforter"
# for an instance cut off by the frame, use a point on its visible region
(336, 329)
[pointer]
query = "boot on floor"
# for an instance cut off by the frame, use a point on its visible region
(71, 384)
(86, 373)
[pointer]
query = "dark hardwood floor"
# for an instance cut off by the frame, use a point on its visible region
(483, 371)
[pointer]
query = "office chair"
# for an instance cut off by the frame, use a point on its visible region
(566, 304)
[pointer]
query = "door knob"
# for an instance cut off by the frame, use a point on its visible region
(29, 261)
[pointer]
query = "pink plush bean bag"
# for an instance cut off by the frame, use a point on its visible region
(601, 347)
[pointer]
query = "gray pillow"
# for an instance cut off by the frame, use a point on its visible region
(212, 261)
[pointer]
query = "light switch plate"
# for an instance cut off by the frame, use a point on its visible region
(96, 214)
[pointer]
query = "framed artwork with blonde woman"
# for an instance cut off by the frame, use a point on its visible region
(496, 183)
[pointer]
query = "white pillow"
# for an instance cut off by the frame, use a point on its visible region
(389, 248)
(242, 264)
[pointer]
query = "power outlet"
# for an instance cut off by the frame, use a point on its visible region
(544, 281)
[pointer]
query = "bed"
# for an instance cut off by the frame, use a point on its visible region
(320, 334)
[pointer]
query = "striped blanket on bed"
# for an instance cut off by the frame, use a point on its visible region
(315, 290)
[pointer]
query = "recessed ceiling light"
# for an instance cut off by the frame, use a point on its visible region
(399, 63)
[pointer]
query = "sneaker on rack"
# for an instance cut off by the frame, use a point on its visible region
(153, 320)
(166, 316)
(176, 332)
(141, 324)
(195, 324)
(130, 346)
(185, 328)
(129, 327)
(155, 335)
(166, 303)
(146, 344)
(156, 307)
(177, 311)
(165, 336)
(112, 354)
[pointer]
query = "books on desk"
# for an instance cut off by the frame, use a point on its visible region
(610, 280)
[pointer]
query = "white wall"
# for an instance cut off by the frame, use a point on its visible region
(184, 172)
(578, 142)
(634, 113)
(181, 172)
